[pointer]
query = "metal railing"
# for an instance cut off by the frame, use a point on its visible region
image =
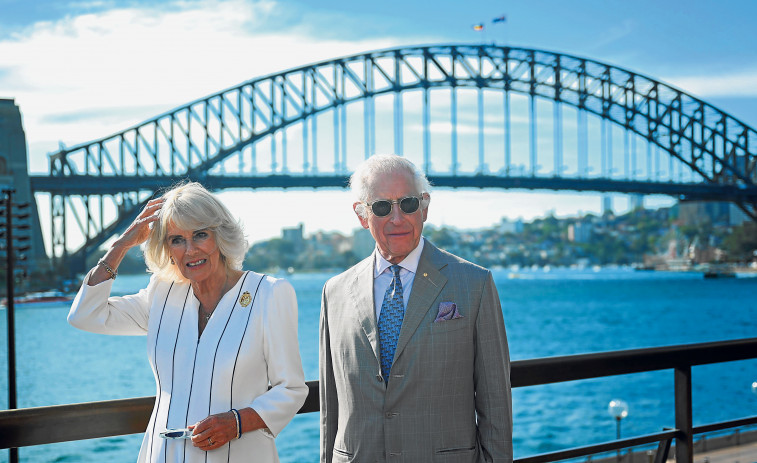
(61, 423)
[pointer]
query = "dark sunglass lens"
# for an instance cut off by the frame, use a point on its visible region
(409, 205)
(381, 208)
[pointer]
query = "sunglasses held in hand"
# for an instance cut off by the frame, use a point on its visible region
(383, 207)
(176, 434)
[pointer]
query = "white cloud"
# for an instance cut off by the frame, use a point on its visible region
(73, 77)
(737, 84)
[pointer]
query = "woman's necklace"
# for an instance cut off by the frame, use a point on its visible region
(205, 316)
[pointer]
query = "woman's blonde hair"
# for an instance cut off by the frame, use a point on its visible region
(190, 206)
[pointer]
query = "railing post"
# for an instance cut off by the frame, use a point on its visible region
(10, 277)
(685, 439)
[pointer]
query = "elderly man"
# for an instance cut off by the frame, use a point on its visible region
(414, 363)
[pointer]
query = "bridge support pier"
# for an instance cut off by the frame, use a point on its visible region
(14, 175)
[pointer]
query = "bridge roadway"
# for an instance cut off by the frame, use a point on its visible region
(94, 184)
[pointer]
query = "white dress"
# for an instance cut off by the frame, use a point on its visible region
(249, 344)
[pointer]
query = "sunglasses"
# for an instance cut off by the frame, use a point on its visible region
(383, 207)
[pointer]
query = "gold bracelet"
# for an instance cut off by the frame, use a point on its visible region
(107, 268)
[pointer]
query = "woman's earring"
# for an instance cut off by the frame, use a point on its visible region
(172, 262)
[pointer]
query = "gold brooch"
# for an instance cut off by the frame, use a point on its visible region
(245, 299)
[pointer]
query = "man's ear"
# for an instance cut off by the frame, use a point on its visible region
(357, 207)
(425, 201)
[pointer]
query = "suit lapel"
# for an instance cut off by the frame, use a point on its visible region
(362, 293)
(427, 285)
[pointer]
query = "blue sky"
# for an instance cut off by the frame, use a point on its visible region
(81, 70)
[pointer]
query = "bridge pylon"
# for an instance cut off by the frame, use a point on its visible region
(14, 175)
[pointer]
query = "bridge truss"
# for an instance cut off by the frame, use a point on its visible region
(470, 115)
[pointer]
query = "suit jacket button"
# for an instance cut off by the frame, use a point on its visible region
(379, 378)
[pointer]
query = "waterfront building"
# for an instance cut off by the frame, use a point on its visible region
(716, 213)
(295, 236)
(579, 232)
(511, 226)
(362, 242)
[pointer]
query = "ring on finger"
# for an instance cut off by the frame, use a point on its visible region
(210, 441)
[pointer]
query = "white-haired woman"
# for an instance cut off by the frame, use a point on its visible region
(218, 337)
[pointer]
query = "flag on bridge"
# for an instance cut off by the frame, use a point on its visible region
(478, 27)
(499, 19)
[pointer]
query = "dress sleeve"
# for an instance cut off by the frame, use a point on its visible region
(94, 310)
(281, 349)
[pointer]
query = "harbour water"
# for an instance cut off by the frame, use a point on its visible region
(547, 313)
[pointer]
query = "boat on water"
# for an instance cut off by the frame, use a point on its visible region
(39, 299)
(719, 274)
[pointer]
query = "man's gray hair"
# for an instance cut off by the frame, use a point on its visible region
(362, 180)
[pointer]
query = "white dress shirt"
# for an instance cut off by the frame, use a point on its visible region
(383, 276)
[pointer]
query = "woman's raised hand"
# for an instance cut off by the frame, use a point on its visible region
(135, 235)
(139, 230)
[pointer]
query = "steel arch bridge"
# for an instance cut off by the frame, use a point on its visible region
(267, 132)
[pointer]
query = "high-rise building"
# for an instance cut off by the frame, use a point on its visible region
(294, 235)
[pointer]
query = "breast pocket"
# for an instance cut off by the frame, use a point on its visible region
(451, 346)
(445, 326)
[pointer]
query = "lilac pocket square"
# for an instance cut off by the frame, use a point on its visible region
(447, 311)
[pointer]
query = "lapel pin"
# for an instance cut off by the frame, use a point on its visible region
(425, 274)
(245, 299)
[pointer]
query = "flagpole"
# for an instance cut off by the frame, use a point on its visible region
(480, 29)
(501, 19)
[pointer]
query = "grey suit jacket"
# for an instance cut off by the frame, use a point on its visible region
(448, 398)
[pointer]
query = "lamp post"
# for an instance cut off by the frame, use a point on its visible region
(618, 409)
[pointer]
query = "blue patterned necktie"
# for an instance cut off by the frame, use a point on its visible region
(390, 322)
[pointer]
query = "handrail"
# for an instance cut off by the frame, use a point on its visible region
(725, 425)
(61, 423)
(599, 448)
(596, 365)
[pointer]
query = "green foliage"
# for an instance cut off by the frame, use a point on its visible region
(617, 240)
(741, 244)
(279, 254)
(443, 237)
